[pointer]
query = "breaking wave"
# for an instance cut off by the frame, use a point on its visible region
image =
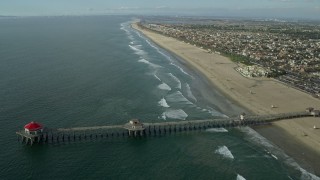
(156, 77)
(158, 50)
(182, 70)
(164, 86)
(168, 58)
(123, 27)
(149, 63)
(225, 152)
(163, 103)
(276, 152)
(217, 130)
(175, 79)
(137, 50)
(214, 112)
(189, 93)
(175, 114)
(177, 97)
(239, 177)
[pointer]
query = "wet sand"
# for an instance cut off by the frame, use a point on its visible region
(307, 158)
(255, 94)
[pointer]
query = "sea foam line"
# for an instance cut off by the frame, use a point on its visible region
(175, 79)
(189, 93)
(168, 58)
(149, 63)
(137, 50)
(155, 75)
(214, 112)
(253, 136)
(182, 70)
(123, 27)
(165, 55)
(158, 50)
(177, 97)
(218, 130)
(139, 34)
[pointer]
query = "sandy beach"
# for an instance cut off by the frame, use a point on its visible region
(255, 94)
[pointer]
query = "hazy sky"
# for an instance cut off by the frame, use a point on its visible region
(259, 8)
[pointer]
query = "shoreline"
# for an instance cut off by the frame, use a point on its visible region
(234, 105)
(307, 158)
(220, 72)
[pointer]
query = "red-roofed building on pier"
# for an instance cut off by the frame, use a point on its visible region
(33, 128)
(32, 132)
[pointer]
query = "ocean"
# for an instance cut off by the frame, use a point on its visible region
(97, 70)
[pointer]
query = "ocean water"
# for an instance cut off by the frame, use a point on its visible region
(88, 71)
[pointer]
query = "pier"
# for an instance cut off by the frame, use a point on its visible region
(135, 128)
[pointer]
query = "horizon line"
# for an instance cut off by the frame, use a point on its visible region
(165, 15)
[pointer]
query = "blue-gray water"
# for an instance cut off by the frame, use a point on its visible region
(87, 71)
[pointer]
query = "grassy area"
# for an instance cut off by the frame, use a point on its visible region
(238, 58)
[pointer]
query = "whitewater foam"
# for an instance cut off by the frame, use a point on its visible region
(175, 79)
(182, 70)
(175, 114)
(278, 153)
(189, 93)
(149, 63)
(305, 175)
(225, 152)
(168, 58)
(158, 50)
(164, 86)
(213, 112)
(274, 156)
(123, 27)
(130, 37)
(139, 34)
(217, 130)
(239, 177)
(177, 97)
(157, 77)
(163, 103)
(163, 116)
(164, 55)
(137, 50)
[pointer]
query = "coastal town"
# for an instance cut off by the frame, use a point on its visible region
(286, 51)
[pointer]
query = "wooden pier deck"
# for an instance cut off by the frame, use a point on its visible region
(223, 121)
(93, 128)
(157, 128)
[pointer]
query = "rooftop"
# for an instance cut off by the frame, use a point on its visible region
(33, 126)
